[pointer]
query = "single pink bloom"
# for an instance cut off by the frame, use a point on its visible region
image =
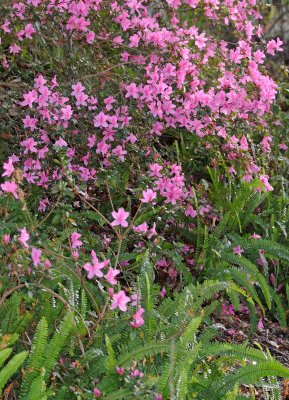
(29, 145)
(282, 146)
(6, 239)
(132, 91)
(74, 240)
(260, 325)
(36, 256)
(14, 49)
(138, 319)
(8, 168)
(120, 218)
(95, 268)
(237, 250)
(255, 236)
(96, 392)
(232, 170)
(247, 178)
(30, 122)
(119, 370)
(24, 237)
(10, 187)
(28, 31)
(110, 276)
(90, 37)
(66, 112)
(135, 299)
(143, 228)
(265, 180)
(120, 301)
(61, 143)
(29, 98)
(190, 212)
(148, 196)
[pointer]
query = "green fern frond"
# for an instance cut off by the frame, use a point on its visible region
(56, 344)
(248, 266)
(37, 390)
(12, 367)
(247, 375)
(139, 353)
(36, 358)
(111, 360)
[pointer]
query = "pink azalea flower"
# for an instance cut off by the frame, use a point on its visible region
(10, 187)
(28, 31)
(74, 240)
(110, 276)
(260, 325)
(30, 122)
(96, 392)
(120, 218)
(95, 268)
(247, 178)
(66, 112)
(14, 49)
(119, 370)
(29, 98)
(36, 256)
(132, 91)
(90, 37)
(143, 228)
(273, 46)
(29, 145)
(155, 170)
(152, 231)
(24, 237)
(265, 180)
(120, 301)
(8, 168)
(148, 196)
(232, 170)
(135, 299)
(138, 319)
(237, 250)
(6, 239)
(190, 212)
(282, 146)
(61, 143)
(255, 236)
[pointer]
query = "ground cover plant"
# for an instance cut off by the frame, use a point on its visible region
(144, 201)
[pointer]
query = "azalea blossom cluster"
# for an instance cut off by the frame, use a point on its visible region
(174, 89)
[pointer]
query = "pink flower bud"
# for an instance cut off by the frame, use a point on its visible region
(119, 370)
(6, 239)
(96, 392)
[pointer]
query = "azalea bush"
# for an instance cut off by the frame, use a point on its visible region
(140, 155)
